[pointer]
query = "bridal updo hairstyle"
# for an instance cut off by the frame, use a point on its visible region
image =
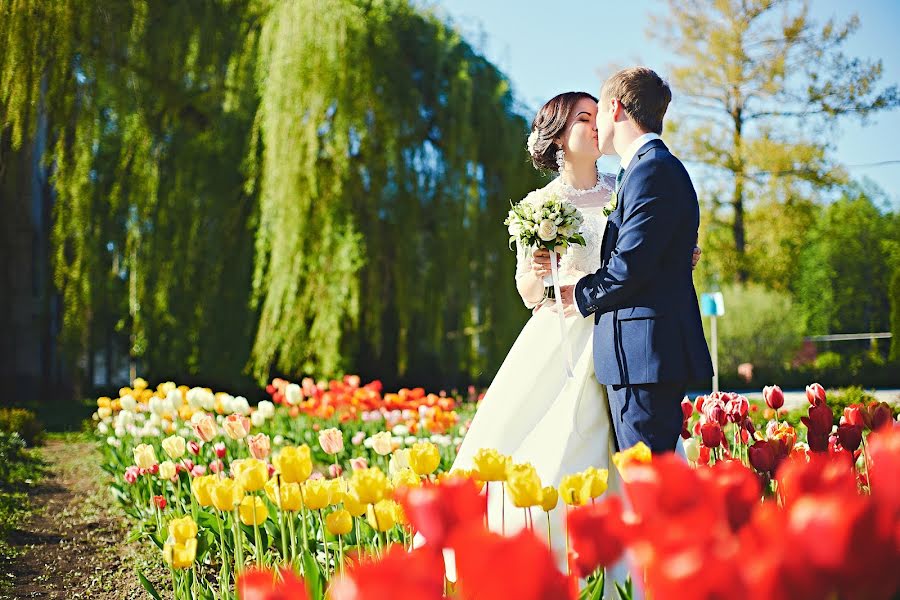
(548, 125)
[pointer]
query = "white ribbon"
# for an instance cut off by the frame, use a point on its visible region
(563, 332)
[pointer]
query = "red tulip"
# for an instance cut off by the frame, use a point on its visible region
(773, 396)
(819, 420)
(159, 502)
(855, 415)
(815, 393)
(737, 408)
(712, 434)
(193, 447)
(704, 456)
(597, 535)
(881, 415)
(850, 436)
(261, 584)
(762, 456)
(687, 409)
(437, 511)
(399, 575)
(507, 568)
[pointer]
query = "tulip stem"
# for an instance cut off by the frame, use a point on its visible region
(293, 539)
(566, 533)
(549, 539)
(325, 542)
(174, 584)
(503, 508)
(220, 520)
(238, 543)
(866, 463)
(257, 540)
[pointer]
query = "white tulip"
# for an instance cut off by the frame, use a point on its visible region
(293, 394)
(128, 402)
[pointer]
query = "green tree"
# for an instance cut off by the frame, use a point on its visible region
(895, 316)
(846, 267)
(758, 87)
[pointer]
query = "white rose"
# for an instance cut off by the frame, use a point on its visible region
(515, 228)
(547, 230)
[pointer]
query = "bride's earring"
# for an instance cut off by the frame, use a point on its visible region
(560, 159)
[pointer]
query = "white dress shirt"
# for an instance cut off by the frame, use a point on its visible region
(634, 146)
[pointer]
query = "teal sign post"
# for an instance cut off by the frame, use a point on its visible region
(713, 306)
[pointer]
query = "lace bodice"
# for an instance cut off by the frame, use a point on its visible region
(578, 260)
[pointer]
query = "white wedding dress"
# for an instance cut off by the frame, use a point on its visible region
(532, 411)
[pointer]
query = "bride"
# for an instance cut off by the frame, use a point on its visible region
(532, 410)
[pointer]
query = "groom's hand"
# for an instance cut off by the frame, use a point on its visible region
(695, 258)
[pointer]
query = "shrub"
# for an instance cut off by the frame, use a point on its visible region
(22, 422)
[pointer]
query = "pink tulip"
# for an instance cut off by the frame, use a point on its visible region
(236, 426)
(331, 440)
(198, 470)
(193, 447)
(131, 474)
(815, 393)
(358, 463)
(205, 427)
(216, 466)
(335, 471)
(220, 450)
(259, 446)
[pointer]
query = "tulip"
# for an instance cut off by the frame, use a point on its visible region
(339, 522)
(259, 446)
(174, 446)
(144, 456)
(524, 485)
(287, 496)
(687, 409)
(180, 555)
(405, 477)
(335, 471)
(399, 460)
(424, 458)
(226, 494)
(598, 479)
(881, 414)
(369, 485)
(549, 498)
(201, 487)
(293, 394)
(182, 529)
(236, 426)
(399, 575)
(850, 436)
(815, 393)
(575, 490)
(639, 453)
(317, 494)
(382, 515)
(597, 534)
(691, 449)
(773, 396)
(331, 440)
(167, 470)
(159, 502)
(253, 511)
(204, 426)
(294, 463)
(250, 473)
(819, 420)
(220, 450)
(359, 463)
(712, 434)
(353, 505)
(490, 465)
(762, 456)
(258, 584)
(131, 474)
(382, 443)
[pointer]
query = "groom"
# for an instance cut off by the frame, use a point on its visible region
(648, 336)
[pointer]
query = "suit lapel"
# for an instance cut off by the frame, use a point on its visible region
(657, 143)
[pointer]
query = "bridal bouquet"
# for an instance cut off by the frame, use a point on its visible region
(552, 222)
(549, 221)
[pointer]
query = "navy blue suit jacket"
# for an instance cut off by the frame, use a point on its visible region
(647, 322)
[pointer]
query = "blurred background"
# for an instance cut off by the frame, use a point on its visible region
(223, 191)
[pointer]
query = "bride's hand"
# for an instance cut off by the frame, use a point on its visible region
(695, 258)
(540, 262)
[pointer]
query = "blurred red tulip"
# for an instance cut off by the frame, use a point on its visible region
(740, 489)
(264, 584)
(159, 502)
(398, 575)
(762, 456)
(855, 415)
(881, 415)
(712, 434)
(597, 535)
(850, 436)
(437, 511)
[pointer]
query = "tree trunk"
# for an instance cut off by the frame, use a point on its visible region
(737, 198)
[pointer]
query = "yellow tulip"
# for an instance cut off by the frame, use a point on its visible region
(167, 470)
(339, 522)
(291, 500)
(251, 473)
(253, 511)
(382, 515)
(336, 491)
(575, 489)
(226, 494)
(174, 446)
(144, 456)
(490, 465)
(369, 485)
(549, 498)
(104, 402)
(180, 555)
(294, 463)
(524, 485)
(201, 487)
(405, 478)
(139, 384)
(353, 505)
(640, 453)
(598, 479)
(317, 494)
(424, 458)
(182, 529)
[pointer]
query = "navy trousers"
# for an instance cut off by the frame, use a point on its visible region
(649, 413)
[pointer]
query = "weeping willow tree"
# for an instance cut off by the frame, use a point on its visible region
(149, 109)
(390, 151)
(310, 186)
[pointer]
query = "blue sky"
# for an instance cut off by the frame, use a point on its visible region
(550, 47)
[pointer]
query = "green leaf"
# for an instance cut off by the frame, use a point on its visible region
(148, 586)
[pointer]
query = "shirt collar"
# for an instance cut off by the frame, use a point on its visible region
(634, 146)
